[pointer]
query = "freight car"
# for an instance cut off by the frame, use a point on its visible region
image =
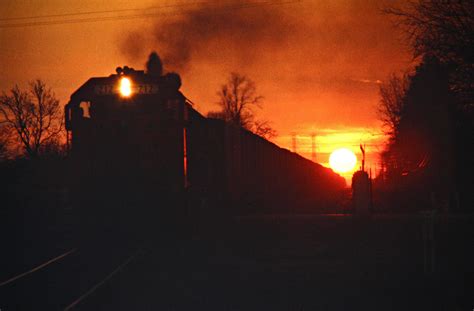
(140, 152)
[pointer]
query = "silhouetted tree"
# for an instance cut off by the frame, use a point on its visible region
(426, 124)
(392, 96)
(237, 98)
(445, 30)
(34, 117)
(431, 150)
(263, 128)
(432, 145)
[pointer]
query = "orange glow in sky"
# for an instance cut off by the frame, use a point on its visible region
(318, 64)
(327, 140)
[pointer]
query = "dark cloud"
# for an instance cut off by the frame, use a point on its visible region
(237, 29)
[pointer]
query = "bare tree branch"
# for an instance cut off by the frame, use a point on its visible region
(238, 97)
(392, 97)
(34, 118)
(263, 128)
(445, 30)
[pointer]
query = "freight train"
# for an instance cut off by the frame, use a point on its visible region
(141, 152)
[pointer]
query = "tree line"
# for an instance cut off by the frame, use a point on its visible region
(428, 113)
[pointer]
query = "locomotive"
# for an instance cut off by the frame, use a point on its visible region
(140, 152)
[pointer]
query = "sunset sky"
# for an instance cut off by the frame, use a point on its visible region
(318, 64)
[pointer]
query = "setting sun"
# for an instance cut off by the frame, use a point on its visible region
(342, 160)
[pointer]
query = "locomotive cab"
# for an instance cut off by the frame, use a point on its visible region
(127, 135)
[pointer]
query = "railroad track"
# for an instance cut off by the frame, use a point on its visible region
(289, 266)
(65, 281)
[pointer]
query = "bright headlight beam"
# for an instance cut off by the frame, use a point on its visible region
(125, 87)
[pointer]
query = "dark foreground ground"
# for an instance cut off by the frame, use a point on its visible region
(325, 262)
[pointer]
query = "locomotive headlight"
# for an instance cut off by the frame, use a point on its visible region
(125, 87)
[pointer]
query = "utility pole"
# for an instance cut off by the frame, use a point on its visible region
(293, 139)
(362, 148)
(313, 147)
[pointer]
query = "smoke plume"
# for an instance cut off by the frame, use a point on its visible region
(232, 29)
